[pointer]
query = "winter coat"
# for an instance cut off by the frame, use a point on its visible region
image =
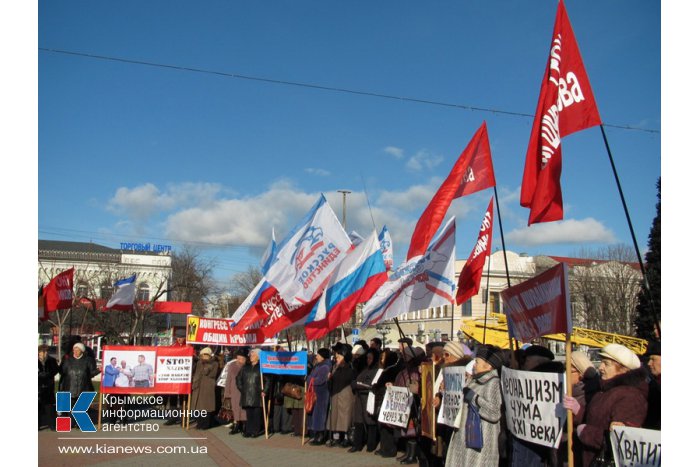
(320, 375)
(487, 387)
(621, 399)
(76, 375)
(410, 374)
(361, 387)
(250, 387)
(231, 390)
(341, 398)
(393, 366)
(48, 370)
(204, 385)
(653, 420)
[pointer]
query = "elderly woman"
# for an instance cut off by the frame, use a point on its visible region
(319, 379)
(204, 387)
(365, 423)
(622, 399)
(391, 364)
(339, 381)
(253, 390)
(48, 369)
(409, 378)
(483, 391)
(232, 396)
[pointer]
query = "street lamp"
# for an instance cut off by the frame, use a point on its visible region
(383, 330)
(436, 333)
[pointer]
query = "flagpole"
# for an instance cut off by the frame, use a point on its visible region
(486, 308)
(646, 287)
(569, 392)
(503, 239)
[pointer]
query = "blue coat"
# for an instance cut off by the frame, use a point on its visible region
(320, 376)
(111, 373)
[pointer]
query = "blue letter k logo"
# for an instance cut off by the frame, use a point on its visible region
(79, 410)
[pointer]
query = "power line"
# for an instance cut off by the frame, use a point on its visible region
(318, 87)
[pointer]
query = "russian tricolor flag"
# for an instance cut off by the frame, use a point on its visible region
(123, 297)
(354, 281)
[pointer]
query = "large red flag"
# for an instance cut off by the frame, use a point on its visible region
(470, 277)
(566, 105)
(472, 172)
(58, 293)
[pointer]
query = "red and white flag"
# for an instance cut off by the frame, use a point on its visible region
(58, 293)
(566, 105)
(470, 277)
(472, 172)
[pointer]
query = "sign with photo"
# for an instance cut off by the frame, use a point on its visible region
(146, 370)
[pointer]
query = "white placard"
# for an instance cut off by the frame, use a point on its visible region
(454, 379)
(396, 406)
(636, 447)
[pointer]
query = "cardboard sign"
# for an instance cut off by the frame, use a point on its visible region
(636, 447)
(146, 370)
(427, 411)
(540, 305)
(371, 402)
(533, 405)
(454, 379)
(396, 406)
(219, 331)
(283, 363)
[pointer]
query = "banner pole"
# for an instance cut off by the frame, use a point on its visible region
(646, 287)
(569, 392)
(99, 411)
(503, 239)
(189, 405)
(262, 386)
(303, 411)
(486, 308)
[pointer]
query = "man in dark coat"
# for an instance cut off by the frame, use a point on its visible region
(48, 369)
(653, 353)
(253, 391)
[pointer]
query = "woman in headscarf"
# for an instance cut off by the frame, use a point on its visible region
(622, 399)
(319, 379)
(340, 417)
(483, 391)
(204, 387)
(365, 423)
(232, 396)
(391, 364)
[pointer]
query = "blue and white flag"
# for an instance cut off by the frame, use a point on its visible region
(308, 255)
(123, 298)
(422, 282)
(386, 245)
(269, 254)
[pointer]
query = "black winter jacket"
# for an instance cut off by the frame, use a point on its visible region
(248, 383)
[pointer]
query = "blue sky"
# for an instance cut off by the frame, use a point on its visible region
(129, 152)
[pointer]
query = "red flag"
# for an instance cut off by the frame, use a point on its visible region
(472, 172)
(566, 105)
(470, 277)
(58, 293)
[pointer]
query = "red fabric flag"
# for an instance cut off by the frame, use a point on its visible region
(472, 172)
(470, 277)
(58, 293)
(566, 105)
(184, 308)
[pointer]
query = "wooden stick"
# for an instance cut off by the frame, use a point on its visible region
(99, 411)
(189, 405)
(262, 386)
(303, 411)
(570, 392)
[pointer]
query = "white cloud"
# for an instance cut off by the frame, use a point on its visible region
(315, 171)
(423, 160)
(394, 151)
(587, 230)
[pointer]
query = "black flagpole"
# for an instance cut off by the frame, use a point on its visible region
(646, 287)
(505, 260)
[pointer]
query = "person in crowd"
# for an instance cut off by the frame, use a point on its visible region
(295, 407)
(359, 358)
(376, 343)
(204, 387)
(340, 417)
(253, 394)
(483, 391)
(232, 396)
(653, 354)
(404, 343)
(365, 423)
(77, 371)
(391, 364)
(48, 369)
(281, 417)
(111, 373)
(580, 365)
(143, 373)
(124, 380)
(319, 379)
(409, 378)
(622, 399)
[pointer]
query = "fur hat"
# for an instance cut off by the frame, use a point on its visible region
(491, 354)
(358, 350)
(324, 353)
(580, 361)
(621, 355)
(79, 345)
(538, 351)
(654, 348)
(406, 340)
(206, 350)
(454, 348)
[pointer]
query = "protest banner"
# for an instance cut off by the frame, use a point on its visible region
(533, 405)
(146, 370)
(454, 380)
(540, 305)
(283, 363)
(427, 411)
(396, 406)
(371, 400)
(635, 447)
(219, 331)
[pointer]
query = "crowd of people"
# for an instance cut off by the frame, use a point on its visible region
(337, 404)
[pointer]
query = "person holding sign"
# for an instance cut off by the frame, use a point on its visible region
(204, 387)
(253, 392)
(365, 424)
(482, 397)
(622, 399)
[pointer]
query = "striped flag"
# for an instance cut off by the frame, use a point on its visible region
(123, 298)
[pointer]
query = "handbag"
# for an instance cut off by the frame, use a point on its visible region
(292, 390)
(473, 436)
(604, 456)
(310, 399)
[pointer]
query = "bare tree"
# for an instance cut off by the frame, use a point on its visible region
(244, 282)
(193, 280)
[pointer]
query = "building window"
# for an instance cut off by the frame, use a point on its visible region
(106, 291)
(494, 302)
(144, 293)
(467, 308)
(81, 290)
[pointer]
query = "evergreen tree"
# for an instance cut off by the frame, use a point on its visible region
(644, 321)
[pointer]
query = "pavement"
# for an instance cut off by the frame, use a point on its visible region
(180, 447)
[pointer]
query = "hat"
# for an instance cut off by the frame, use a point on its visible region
(43, 348)
(180, 333)
(324, 353)
(358, 350)
(454, 348)
(538, 351)
(410, 351)
(79, 345)
(432, 345)
(654, 348)
(337, 347)
(206, 350)
(580, 361)
(491, 354)
(241, 352)
(621, 355)
(406, 340)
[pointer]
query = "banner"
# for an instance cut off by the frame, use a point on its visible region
(636, 447)
(183, 308)
(427, 411)
(396, 406)
(283, 363)
(534, 411)
(539, 306)
(146, 370)
(219, 331)
(454, 379)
